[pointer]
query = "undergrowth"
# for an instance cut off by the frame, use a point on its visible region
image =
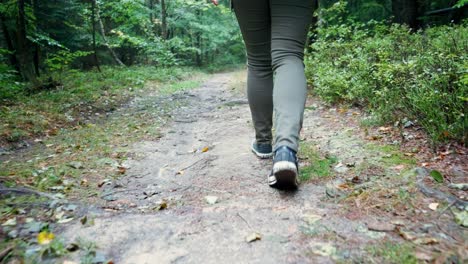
(80, 96)
(394, 72)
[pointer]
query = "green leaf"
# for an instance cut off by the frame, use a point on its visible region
(437, 176)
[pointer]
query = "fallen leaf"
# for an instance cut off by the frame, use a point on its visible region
(84, 182)
(205, 149)
(253, 237)
(211, 199)
(461, 218)
(437, 176)
(121, 169)
(181, 172)
(84, 220)
(426, 241)
(160, 205)
(45, 237)
(10, 222)
(406, 235)
(433, 206)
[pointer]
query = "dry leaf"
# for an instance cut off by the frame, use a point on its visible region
(181, 172)
(122, 169)
(433, 206)
(426, 241)
(205, 149)
(161, 205)
(253, 237)
(84, 182)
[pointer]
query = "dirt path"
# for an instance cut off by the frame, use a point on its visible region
(205, 152)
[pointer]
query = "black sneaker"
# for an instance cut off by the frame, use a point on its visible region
(263, 151)
(284, 174)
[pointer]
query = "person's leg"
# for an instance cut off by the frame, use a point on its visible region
(254, 21)
(290, 21)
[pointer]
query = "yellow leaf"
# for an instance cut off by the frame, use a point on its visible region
(44, 238)
(205, 149)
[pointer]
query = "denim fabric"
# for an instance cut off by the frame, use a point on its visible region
(274, 33)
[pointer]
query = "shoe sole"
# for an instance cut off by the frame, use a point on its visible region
(261, 155)
(285, 173)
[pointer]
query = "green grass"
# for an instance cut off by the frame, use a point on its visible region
(30, 114)
(391, 155)
(401, 253)
(318, 167)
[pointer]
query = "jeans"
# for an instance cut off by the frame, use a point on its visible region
(274, 32)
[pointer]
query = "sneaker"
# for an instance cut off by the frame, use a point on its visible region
(284, 174)
(263, 151)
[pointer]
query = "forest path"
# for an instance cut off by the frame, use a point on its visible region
(205, 152)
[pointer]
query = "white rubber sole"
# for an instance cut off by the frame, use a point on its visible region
(284, 175)
(261, 155)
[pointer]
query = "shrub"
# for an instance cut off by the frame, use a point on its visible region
(395, 73)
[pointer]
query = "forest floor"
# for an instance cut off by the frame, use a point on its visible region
(192, 192)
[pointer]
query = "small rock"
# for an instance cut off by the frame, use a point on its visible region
(211, 199)
(380, 227)
(76, 165)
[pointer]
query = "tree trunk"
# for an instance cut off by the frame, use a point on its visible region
(406, 12)
(37, 48)
(93, 22)
(103, 34)
(9, 42)
(23, 51)
(163, 19)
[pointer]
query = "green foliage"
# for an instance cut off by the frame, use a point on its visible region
(393, 72)
(81, 92)
(461, 3)
(60, 61)
(391, 252)
(317, 167)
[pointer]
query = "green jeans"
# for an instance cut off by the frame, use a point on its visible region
(274, 33)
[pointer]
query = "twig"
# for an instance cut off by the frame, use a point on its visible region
(193, 164)
(430, 192)
(245, 221)
(119, 191)
(185, 121)
(5, 252)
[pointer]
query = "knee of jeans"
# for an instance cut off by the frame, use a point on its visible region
(259, 65)
(286, 58)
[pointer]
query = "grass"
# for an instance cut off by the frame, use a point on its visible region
(316, 166)
(391, 155)
(83, 94)
(77, 156)
(397, 253)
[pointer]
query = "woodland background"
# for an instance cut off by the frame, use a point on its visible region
(403, 61)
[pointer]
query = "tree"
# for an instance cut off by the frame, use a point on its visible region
(406, 12)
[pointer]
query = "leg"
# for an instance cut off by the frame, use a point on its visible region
(254, 21)
(290, 21)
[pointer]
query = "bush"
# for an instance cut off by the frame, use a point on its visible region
(395, 73)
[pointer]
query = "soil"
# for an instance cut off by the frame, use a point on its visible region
(198, 195)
